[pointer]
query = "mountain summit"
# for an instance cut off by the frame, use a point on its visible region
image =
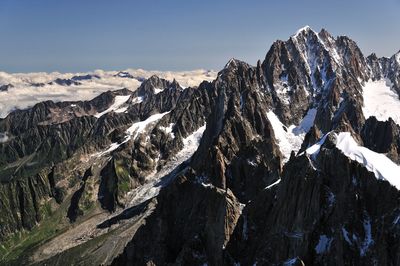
(293, 161)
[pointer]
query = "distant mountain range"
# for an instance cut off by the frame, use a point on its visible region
(294, 161)
(23, 90)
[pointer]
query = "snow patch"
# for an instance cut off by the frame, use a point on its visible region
(119, 100)
(396, 220)
(323, 245)
(112, 147)
(381, 101)
(273, 184)
(331, 199)
(139, 127)
(203, 180)
(138, 99)
(290, 138)
(346, 236)
(136, 128)
(157, 90)
(191, 143)
(241, 102)
(368, 241)
(290, 262)
(3, 137)
(252, 163)
(152, 188)
(314, 149)
(168, 130)
(382, 167)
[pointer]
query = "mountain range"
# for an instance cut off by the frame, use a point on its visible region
(293, 161)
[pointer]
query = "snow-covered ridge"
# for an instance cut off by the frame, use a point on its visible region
(382, 167)
(314, 149)
(378, 163)
(381, 101)
(30, 88)
(303, 29)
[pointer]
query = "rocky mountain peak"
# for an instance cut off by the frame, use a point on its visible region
(232, 63)
(324, 34)
(155, 85)
(303, 31)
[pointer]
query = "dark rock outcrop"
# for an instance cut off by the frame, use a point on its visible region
(331, 215)
(5, 87)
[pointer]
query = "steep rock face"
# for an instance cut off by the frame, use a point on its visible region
(40, 145)
(115, 182)
(334, 214)
(378, 66)
(239, 138)
(236, 159)
(385, 68)
(79, 200)
(382, 137)
(21, 202)
(313, 69)
(209, 215)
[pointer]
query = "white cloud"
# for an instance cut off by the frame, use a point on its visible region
(24, 95)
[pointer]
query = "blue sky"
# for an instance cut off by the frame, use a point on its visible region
(71, 36)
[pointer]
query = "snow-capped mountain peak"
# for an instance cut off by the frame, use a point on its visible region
(302, 30)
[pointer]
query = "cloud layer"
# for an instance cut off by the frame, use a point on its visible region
(30, 88)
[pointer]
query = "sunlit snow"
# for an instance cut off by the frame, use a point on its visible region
(168, 130)
(379, 164)
(314, 149)
(3, 137)
(305, 28)
(290, 138)
(273, 184)
(152, 188)
(138, 99)
(157, 90)
(381, 101)
(119, 100)
(136, 129)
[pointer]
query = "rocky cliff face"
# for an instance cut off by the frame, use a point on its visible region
(281, 163)
(336, 219)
